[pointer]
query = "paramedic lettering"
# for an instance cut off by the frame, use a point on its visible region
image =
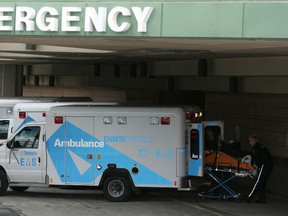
(129, 139)
(79, 144)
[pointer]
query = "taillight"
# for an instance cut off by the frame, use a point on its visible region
(22, 115)
(194, 134)
(165, 120)
(58, 119)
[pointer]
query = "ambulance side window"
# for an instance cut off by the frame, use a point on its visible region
(4, 126)
(28, 137)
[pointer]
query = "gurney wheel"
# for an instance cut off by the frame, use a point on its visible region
(200, 197)
(239, 198)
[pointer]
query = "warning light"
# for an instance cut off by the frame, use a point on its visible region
(58, 119)
(154, 121)
(165, 121)
(198, 114)
(194, 134)
(9, 110)
(44, 114)
(194, 116)
(107, 120)
(122, 120)
(22, 115)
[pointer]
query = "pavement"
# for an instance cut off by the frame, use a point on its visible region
(275, 205)
(160, 202)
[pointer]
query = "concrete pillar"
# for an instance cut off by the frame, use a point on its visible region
(11, 80)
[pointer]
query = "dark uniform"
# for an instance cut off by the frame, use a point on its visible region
(264, 162)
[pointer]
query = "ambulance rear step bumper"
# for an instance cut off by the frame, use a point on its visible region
(187, 189)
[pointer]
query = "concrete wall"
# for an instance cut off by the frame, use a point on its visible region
(97, 94)
(241, 75)
(10, 80)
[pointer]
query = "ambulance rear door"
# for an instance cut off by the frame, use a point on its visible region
(195, 149)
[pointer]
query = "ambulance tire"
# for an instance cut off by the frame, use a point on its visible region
(117, 189)
(18, 189)
(3, 183)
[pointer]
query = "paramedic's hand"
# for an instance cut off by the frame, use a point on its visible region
(253, 168)
(255, 173)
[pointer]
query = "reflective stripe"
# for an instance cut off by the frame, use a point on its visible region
(256, 181)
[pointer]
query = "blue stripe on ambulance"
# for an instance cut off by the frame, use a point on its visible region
(26, 120)
(80, 169)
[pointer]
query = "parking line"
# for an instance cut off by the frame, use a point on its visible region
(202, 208)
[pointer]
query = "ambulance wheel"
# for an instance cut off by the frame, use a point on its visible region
(117, 189)
(18, 189)
(3, 183)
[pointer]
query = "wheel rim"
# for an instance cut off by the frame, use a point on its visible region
(116, 188)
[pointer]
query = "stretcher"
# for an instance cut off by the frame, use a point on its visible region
(222, 170)
(221, 160)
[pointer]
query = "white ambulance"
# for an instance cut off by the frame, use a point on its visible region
(29, 112)
(8, 106)
(7, 114)
(118, 149)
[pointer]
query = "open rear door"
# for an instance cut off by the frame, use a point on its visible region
(195, 140)
(195, 147)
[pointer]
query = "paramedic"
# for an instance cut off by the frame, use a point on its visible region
(264, 164)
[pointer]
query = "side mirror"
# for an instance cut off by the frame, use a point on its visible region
(10, 144)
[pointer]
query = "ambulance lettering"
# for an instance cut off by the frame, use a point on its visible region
(79, 144)
(30, 162)
(28, 159)
(164, 153)
(129, 139)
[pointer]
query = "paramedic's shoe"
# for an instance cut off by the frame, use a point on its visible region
(249, 199)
